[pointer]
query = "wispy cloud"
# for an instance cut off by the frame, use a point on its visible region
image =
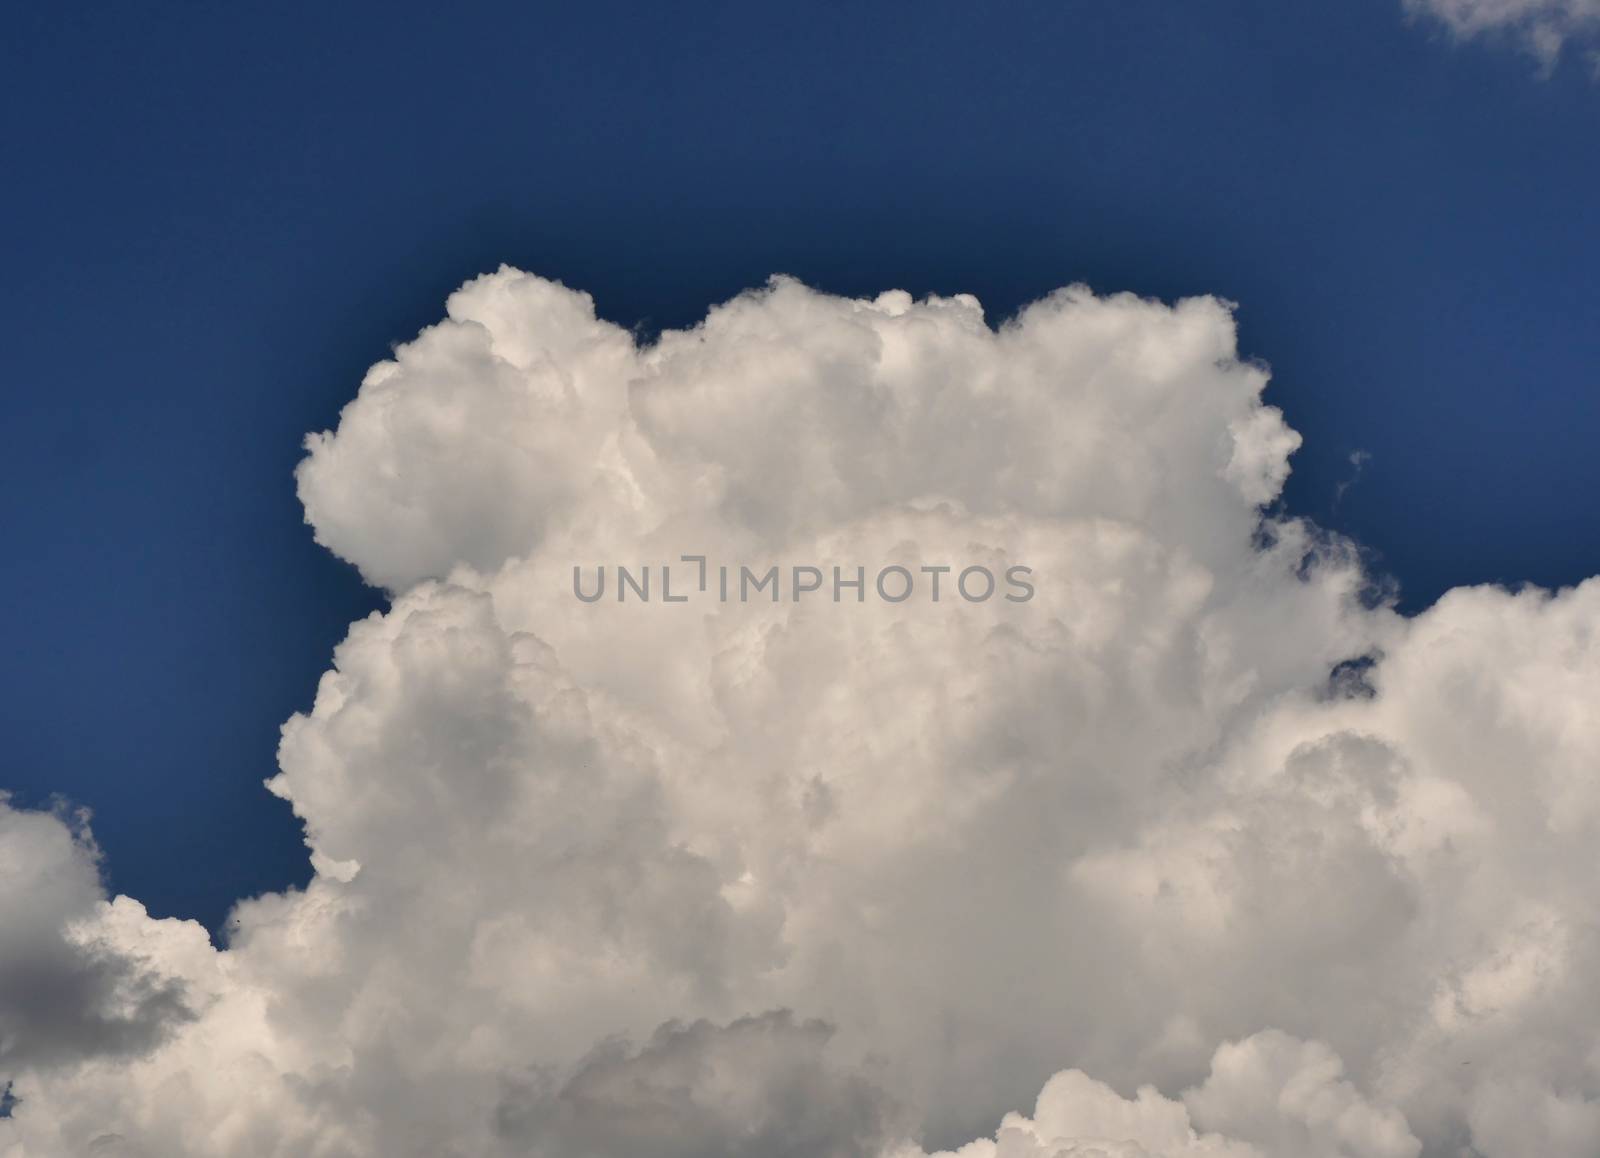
(1543, 27)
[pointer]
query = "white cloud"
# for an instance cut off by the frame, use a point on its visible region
(1543, 26)
(1130, 827)
(1267, 1095)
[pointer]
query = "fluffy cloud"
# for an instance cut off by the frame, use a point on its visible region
(72, 984)
(1268, 1095)
(1289, 875)
(1543, 25)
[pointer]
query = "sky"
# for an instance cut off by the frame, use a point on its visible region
(215, 219)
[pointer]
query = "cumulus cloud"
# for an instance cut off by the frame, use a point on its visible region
(73, 984)
(1202, 838)
(1267, 1095)
(761, 1085)
(1543, 26)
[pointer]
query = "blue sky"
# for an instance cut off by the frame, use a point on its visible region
(215, 220)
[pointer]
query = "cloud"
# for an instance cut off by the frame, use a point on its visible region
(72, 986)
(761, 1085)
(1267, 1095)
(1543, 26)
(1358, 463)
(1244, 858)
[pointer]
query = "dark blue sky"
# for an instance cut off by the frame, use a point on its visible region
(216, 216)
